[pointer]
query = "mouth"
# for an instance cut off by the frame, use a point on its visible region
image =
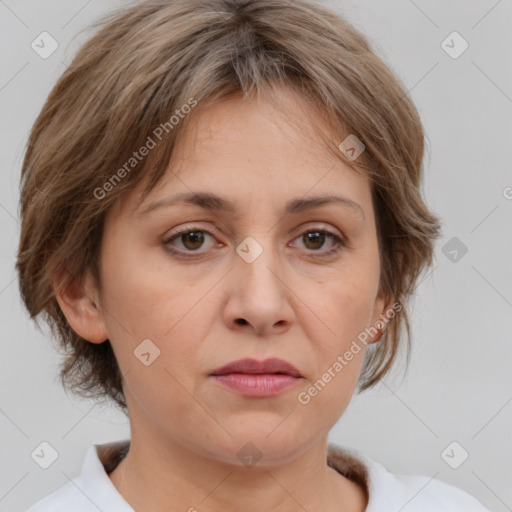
(258, 378)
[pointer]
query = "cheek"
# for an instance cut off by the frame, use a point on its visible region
(140, 293)
(160, 393)
(343, 306)
(340, 354)
(143, 305)
(143, 300)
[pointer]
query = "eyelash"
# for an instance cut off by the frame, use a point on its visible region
(341, 242)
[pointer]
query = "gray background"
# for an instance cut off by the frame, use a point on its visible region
(459, 383)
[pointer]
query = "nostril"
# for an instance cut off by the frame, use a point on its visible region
(241, 321)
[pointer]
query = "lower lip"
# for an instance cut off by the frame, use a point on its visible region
(257, 385)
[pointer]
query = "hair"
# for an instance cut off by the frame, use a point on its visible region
(144, 65)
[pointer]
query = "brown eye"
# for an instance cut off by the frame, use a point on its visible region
(314, 239)
(187, 241)
(192, 239)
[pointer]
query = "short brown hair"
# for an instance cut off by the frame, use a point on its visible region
(144, 63)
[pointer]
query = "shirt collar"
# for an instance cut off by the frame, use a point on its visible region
(382, 489)
(97, 485)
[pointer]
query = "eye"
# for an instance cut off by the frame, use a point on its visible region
(188, 242)
(191, 240)
(314, 239)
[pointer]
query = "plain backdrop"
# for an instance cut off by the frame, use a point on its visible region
(458, 387)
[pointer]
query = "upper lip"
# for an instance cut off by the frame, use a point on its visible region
(255, 367)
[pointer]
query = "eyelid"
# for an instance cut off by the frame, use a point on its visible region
(320, 226)
(187, 228)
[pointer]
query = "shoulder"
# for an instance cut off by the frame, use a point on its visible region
(92, 489)
(389, 491)
(65, 498)
(427, 493)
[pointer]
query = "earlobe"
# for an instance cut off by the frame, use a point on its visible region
(379, 317)
(79, 302)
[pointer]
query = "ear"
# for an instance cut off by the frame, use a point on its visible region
(379, 317)
(79, 301)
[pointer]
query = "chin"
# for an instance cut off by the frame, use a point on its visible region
(254, 446)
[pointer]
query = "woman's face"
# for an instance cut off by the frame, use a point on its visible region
(258, 280)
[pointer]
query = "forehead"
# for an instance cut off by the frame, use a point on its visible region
(277, 123)
(244, 148)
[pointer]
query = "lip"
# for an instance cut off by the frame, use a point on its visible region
(257, 378)
(255, 367)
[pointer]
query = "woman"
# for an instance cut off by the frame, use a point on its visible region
(222, 222)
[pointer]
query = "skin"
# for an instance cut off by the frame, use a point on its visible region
(186, 429)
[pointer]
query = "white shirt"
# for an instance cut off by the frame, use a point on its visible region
(93, 490)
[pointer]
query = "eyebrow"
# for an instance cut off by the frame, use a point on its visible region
(213, 202)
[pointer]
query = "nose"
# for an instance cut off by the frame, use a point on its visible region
(258, 298)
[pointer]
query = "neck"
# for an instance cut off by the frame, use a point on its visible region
(152, 476)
